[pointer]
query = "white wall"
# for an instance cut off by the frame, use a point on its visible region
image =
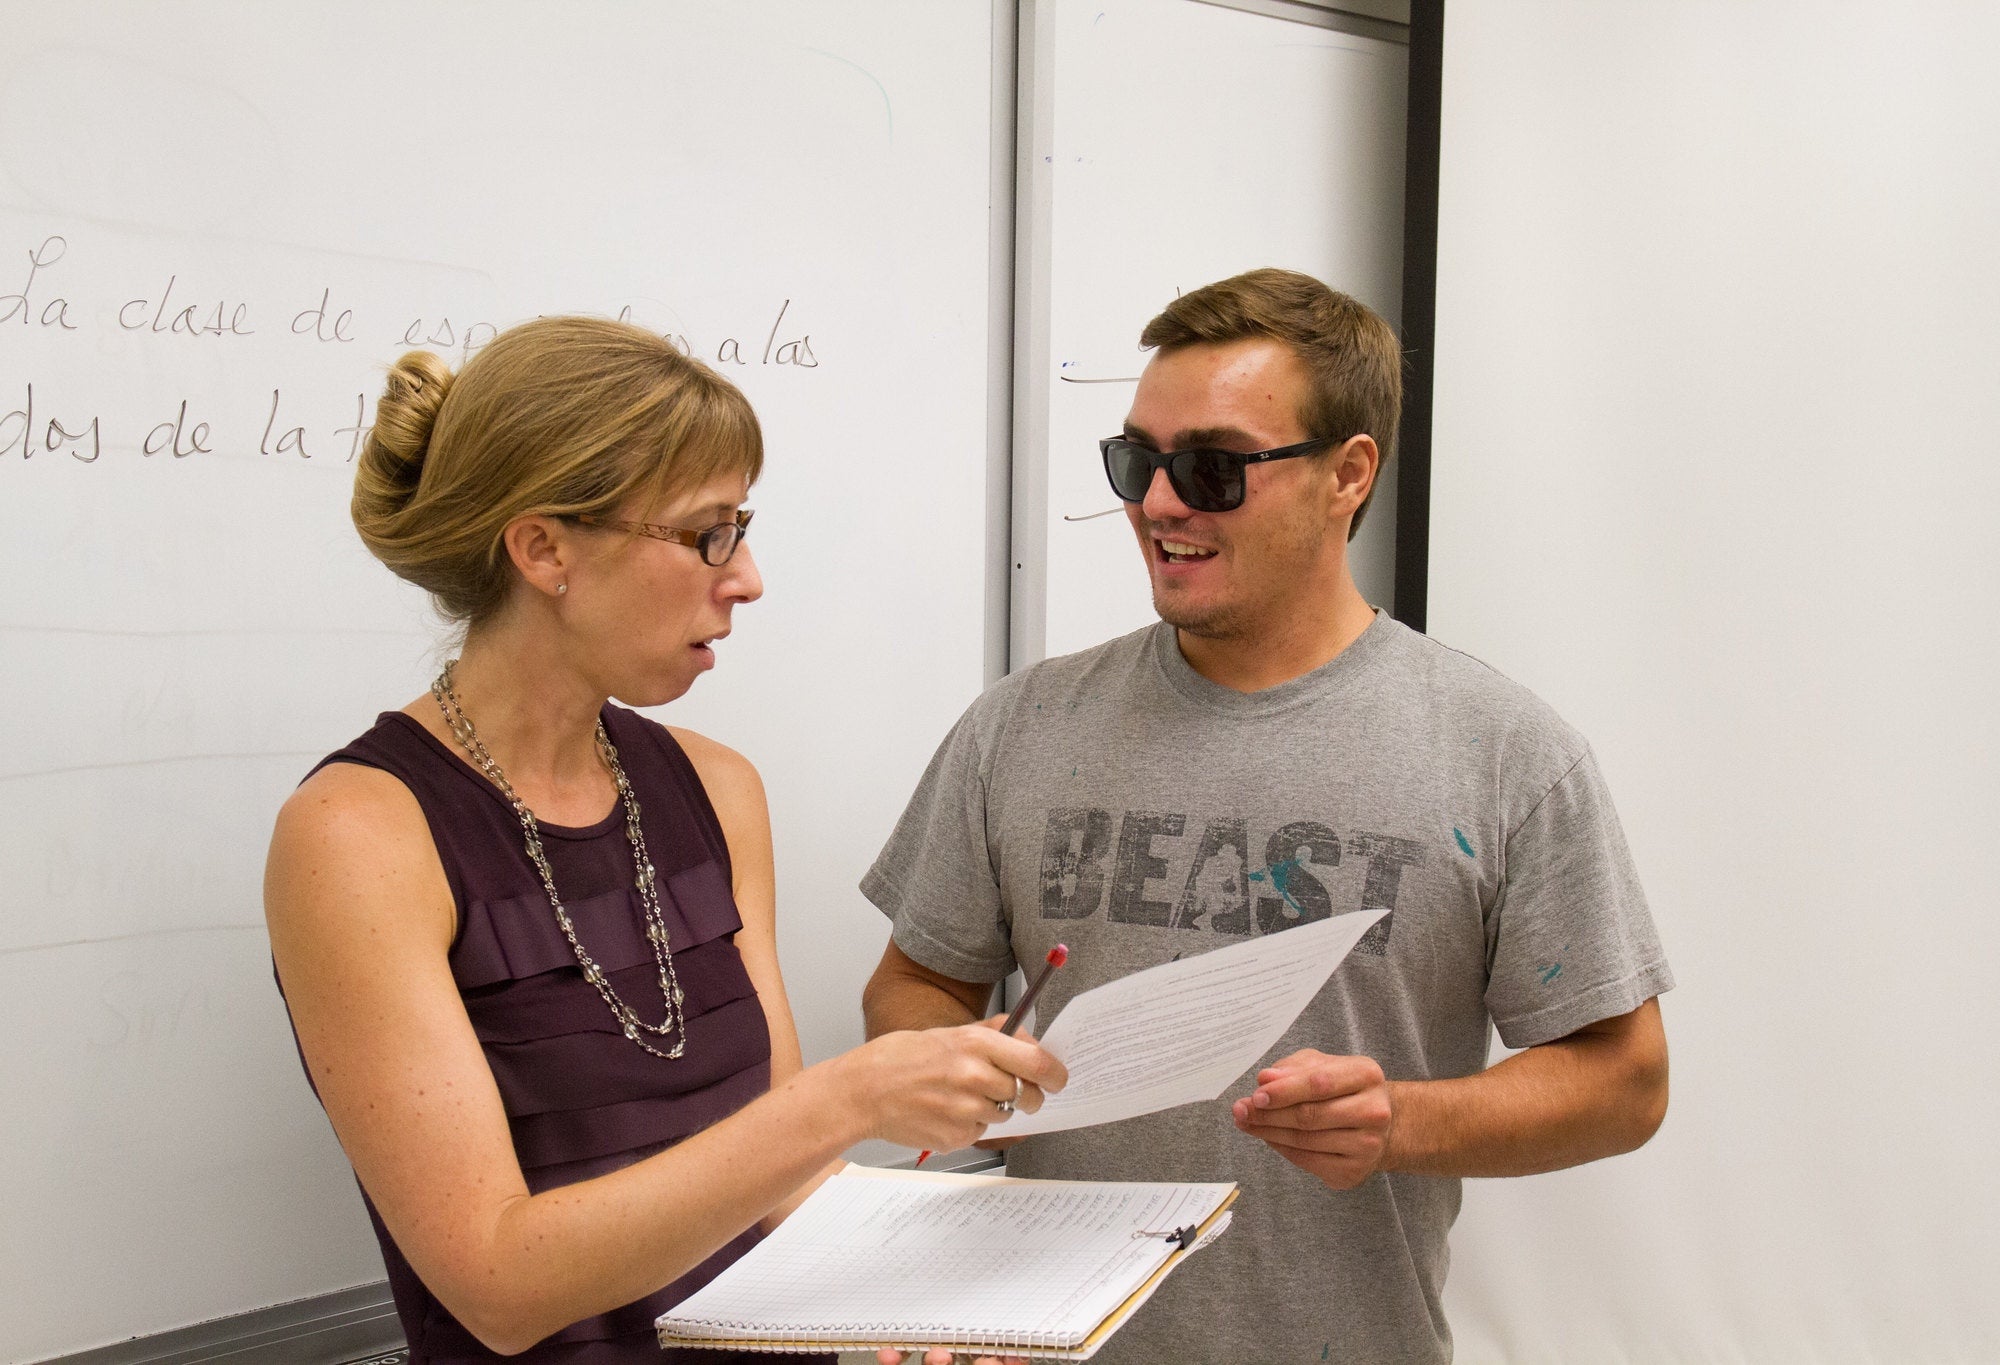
(1718, 388)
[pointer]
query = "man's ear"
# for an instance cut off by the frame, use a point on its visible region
(540, 548)
(1351, 470)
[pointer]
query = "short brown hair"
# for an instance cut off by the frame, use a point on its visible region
(1352, 356)
(562, 416)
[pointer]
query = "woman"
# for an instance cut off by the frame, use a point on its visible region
(527, 936)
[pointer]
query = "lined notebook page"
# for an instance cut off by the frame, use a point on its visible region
(907, 1254)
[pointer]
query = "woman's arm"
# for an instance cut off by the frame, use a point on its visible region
(361, 921)
(737, 793)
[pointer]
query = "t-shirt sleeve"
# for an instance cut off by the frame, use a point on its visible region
(1570, 938)
(935, 879)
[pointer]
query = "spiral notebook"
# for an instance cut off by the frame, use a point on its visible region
(915, 1259)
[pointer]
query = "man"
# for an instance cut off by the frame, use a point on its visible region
(1274, 752)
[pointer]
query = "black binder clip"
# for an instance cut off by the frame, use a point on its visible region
(1180, 1237)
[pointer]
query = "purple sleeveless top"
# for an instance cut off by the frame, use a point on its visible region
(581, 1099)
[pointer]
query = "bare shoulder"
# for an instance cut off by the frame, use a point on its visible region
(350, 838)
(730, 778)
(737, 794)
(346, 809)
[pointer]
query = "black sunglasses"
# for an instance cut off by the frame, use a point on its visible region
(1206, 480)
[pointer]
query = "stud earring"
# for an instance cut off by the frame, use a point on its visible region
(561, 588)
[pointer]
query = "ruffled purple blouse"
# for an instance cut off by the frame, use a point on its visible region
(581, 1099)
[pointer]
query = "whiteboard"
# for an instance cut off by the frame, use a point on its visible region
(1714, 473)
(1172, 144)
(218, 223)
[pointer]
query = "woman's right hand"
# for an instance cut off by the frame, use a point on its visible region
(939, 1088)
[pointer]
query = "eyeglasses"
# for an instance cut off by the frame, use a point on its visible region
(1206, 480)
(716, 544)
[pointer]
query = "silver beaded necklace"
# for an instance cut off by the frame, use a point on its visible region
(649, 895)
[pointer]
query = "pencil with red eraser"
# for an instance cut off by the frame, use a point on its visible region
(1019, 1014)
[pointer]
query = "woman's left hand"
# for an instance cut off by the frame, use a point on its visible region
(942, 1357)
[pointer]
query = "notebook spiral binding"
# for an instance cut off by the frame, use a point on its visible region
(932, 1333)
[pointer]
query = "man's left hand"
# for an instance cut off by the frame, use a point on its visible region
(1327, 1115)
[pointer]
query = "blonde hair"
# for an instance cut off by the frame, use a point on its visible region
(1352, 358)
(562, 416)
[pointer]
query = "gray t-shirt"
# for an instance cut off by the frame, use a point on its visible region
(1117, 801)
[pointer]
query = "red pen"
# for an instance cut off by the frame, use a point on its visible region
(1018, 1015)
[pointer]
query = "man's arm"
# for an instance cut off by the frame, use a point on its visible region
(1599, 1091)
(905, 994)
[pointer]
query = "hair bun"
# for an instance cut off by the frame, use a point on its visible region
(392, 462)
(405, 416)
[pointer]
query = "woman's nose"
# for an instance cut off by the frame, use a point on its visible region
(740, 580)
